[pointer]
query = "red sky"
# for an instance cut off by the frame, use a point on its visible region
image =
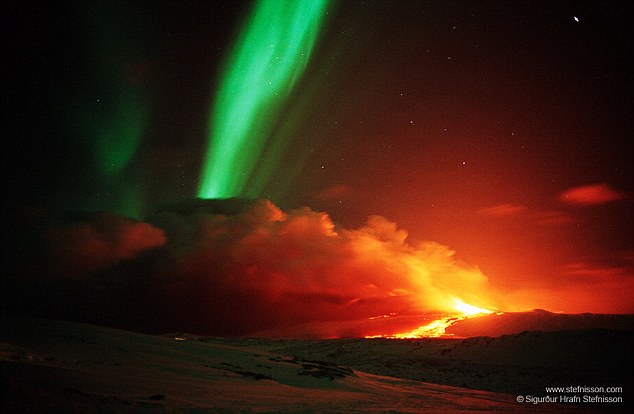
(500, 130)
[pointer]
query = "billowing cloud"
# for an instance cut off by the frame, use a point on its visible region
(89, 243)
(588, 195)
(264, 267)
(206, 269)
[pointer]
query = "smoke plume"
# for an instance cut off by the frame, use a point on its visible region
(238, 267)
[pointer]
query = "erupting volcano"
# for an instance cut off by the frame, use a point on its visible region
(421, 178)
(328, 194)
(395, 174)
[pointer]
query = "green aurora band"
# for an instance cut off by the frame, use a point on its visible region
(110, 110)
(268, 59)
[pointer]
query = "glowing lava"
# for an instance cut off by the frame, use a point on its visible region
(436, 328)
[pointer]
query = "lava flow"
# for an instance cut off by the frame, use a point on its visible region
(436, 328)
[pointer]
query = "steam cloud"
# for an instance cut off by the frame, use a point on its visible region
(236, 268)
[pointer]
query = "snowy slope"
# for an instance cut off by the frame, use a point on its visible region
(51, 366)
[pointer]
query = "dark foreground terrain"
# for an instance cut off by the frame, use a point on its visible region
(51, 366)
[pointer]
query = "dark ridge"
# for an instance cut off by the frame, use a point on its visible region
(194, 206)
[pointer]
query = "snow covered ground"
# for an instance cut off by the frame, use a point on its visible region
(53, 366)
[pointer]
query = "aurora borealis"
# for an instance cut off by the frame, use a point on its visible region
(270, 55)
(487, 140)
(113, 122)
(117, 136)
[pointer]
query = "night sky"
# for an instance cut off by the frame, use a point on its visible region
(500, 129)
